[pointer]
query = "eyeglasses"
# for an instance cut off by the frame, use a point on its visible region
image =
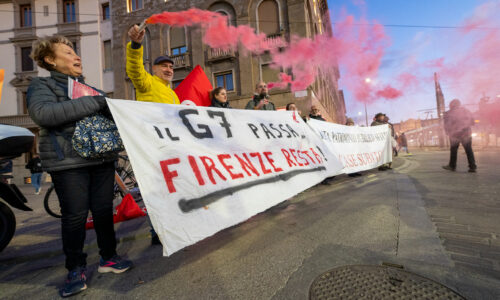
(262, 86)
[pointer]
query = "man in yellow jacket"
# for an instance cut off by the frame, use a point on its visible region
(152, 88)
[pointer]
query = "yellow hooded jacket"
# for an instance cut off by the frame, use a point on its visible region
(148, 87)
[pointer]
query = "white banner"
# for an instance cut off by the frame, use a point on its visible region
(358, 148)
(203, 169)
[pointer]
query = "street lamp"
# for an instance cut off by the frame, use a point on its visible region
(368, 80)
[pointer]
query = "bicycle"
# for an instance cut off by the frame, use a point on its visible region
(124, 183)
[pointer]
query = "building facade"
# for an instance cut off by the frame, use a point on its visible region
(87, 23)
(238, 73)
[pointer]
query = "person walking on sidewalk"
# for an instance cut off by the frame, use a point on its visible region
(404, 143)
(81, 184)
(457, 125)
(35, 167)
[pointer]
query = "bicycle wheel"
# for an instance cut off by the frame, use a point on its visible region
(51, 203)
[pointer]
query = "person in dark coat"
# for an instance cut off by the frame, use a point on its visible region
(260, 100)
(315, 114)
(404, 143)
(219, 98)
(350, 122)
(35, 167)
(81, 184)
(378, 120)
(457, 125)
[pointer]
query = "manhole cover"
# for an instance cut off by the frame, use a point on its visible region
(376, 282)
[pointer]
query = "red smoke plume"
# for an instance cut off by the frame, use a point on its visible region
(217, 32)
(358, 49)
(476, 68)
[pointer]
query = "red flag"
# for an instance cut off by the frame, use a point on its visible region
(126, 210)
(195, 88)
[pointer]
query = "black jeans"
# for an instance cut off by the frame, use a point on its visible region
(79, 190)
(466, 142)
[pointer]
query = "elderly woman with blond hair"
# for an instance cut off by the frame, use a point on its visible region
(81, 184)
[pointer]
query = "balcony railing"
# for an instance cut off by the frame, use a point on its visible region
(181, 60)
(276, 40)
(18, 120)
(218, 53)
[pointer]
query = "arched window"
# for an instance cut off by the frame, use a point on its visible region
(268, 17)
(178, 43)
(225, 9)
(224, 13)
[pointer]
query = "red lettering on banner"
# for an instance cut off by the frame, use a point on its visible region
(228, 168)
(210, 167)
(271, 162)
(245, 165)
(288, 159)
(169, 175)
(302, 157)
(264, 170)
(318, 157)
(196, 170)
(360, 159)
(307, 153)
(295, 157)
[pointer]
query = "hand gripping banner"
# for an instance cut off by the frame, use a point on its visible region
(203, 169)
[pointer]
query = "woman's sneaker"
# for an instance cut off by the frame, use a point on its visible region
(116, 264)
(75, 282)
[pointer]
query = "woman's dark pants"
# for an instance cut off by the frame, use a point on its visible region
(78, 191)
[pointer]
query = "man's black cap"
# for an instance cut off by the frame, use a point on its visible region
(163, 58)
(379, 114)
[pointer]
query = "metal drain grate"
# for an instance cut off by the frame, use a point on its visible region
(376, 282)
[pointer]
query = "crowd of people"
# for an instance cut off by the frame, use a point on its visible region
(84, 184)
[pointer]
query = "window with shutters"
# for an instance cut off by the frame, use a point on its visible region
(177, 41)
(133, 5)
(108, 57)
(69, 11)
(269, 74)
(26, 61)
(225, 80)
(106, 12)
(25, 11)
(268, 17)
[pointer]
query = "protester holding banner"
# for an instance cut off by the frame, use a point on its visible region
(380, 119)
(260, 100)
(152, 88)
(81, 184)
(219, 98)
(291, 106)
(349, 122)
(315, 114)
